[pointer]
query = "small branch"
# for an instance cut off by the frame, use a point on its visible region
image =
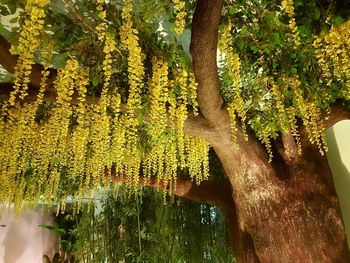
(290, 151)
(78, 17)
(338, 113)
(204, 39)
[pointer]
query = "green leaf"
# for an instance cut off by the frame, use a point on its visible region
(67, 246)
(276, 38)
(58, 231)
(298, 3)
(293, 70)
(243, 31)
(231, 11)
(13, 20)
(293, 55)
(59, 61)
(317, 14)
(96, 80)
(254, 48)
(49, 227)
(338, 20)
(241, 45)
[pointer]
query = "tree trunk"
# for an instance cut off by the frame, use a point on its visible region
(286, 211)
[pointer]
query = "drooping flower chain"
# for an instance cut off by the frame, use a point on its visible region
(332, 52)
(180, 22)
(29, 41)
(288, 8)
(234, 70)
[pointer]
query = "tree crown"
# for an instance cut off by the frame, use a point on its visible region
(113, 90)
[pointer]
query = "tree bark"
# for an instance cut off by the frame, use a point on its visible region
(288, 214)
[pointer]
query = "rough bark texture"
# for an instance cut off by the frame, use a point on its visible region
(286, 215)
(279, 212)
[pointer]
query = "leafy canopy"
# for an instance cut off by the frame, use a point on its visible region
(125, 87)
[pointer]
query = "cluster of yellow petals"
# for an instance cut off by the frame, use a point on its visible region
(332, 52)
(197, 158)
(309, 112)
(181, 80)
(161, 159)
(35, 150)
(180, 22)
(237, 105)
(285, 116)
(45, 144)
(171, 149)
(100, 135)
(130, 42)
(288, 8)
(159, 91)
(29, 41)
(110, 45)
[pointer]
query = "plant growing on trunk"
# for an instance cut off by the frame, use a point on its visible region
(117, 96)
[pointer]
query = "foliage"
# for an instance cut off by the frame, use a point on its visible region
(66, 243)
(132, 227)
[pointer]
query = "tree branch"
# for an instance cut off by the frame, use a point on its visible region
(203, 49)
(216, 193)
(338, 113)
(290, 148)
(79, 18)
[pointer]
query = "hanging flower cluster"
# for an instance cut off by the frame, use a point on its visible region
(50, 150)
(236, 106)
(129, 40)
(109, 47)
(29, 41)
(160, 150)
(309, 112)
(332, 52)
(39, 150)
(99, 137)
(288, 8)
(170, 148)
(180, 22)
(158, 97)
(286, 115)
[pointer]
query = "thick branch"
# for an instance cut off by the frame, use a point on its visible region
(338, 113)
(217, 193)
(203, 48)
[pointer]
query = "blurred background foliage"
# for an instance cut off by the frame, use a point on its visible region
(124, 226)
